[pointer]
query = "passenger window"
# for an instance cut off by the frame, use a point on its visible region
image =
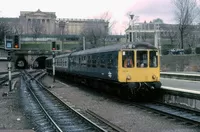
(102, 63)
(153, 59)
(142, 59)
(88, 61)
(98, 61)
(109, 61)
(128, 59)
(93, 61)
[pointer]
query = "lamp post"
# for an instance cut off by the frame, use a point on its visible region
(131, 16)
(133, 19)
(131, 24)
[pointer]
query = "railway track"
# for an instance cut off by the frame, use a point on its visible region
(55, 114)
(5, 77)
(186, 116)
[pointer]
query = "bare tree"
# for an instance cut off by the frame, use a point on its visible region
(5, 29)
(17, 28)
(186, 12)
(96, 31)
(191, 37)
(108, 25)
(37, 29)
(170, 31)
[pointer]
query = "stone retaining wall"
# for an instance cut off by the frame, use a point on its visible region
(190, 63)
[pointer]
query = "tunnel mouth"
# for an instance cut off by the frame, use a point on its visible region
(21, 63)
(39, 63)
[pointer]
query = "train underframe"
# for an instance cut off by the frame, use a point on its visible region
(133, 90)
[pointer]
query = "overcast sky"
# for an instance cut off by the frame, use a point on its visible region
(145, 9)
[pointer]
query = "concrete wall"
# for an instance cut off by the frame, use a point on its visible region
(190, 63)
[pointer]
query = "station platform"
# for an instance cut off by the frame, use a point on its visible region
(181, 85)
(193, 73)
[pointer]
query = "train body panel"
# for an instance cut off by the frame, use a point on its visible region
(98, 65)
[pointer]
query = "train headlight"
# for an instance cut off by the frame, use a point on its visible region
(128, 77)
(154, 77)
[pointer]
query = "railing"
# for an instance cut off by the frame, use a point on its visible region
(186, 76)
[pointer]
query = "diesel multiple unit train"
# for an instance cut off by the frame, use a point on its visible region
(129, 68)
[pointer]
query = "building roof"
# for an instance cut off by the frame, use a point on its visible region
(24, 13)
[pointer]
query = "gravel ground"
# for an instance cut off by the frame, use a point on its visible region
(12, 117)
(129, 118)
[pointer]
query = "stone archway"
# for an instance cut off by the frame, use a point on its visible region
(39, 63)
(21, 63)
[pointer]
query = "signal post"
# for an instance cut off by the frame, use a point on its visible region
(55, 46)
(11, 43)
(53, 54)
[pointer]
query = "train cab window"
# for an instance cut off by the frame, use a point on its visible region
(128, 59)
(142, 59)
(153, 60)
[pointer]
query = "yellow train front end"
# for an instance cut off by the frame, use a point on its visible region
(139, 69)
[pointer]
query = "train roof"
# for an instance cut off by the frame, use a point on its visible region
(117, 47)
(62, 55)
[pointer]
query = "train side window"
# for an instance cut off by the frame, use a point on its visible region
(73, 63)
(109, 61)
(79, 60)
(65, 61)
(128, 59)
(88, 60)
(142, 59)
(102, 62)
(153, 60)
(84, 61)
(98, 61)
(93, 61)
(76, 60)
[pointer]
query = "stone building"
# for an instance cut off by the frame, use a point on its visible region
(37, 22)
(48, 23)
